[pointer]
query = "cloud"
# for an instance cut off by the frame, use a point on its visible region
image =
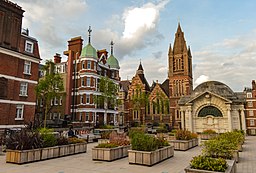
(234, 66)
(50, 21)
(139, 29)
(201, 79)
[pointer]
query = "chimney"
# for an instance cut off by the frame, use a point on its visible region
(253, 85)
(57, 58)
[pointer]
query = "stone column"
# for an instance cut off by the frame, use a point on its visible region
(190, 119)
(230, 126)
(105, 118)
(243, 120)
(114, 119)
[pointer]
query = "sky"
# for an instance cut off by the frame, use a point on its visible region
(221, 34)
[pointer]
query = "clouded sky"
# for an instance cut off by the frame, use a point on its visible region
(221, 34)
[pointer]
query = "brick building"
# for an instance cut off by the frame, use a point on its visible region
(250, 109)
(19, 57)
(180, 74)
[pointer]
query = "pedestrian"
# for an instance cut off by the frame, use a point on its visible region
(71, 132)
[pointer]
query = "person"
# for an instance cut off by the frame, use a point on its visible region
(71, 132)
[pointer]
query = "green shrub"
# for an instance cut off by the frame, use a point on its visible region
(75, 140)
(143, 142)
(105, 134)
(107, 127)
(49, 140)
(208, 163)
(162, 142)
(134, 131)
(62, 140)
(106, 145)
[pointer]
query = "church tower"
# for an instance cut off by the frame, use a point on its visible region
(180, 74)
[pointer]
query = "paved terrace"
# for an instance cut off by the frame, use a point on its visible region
(82, 163)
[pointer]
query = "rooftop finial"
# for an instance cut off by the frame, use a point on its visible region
(89, 31)
(111, 44)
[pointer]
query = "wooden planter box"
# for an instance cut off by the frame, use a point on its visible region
(184, 145)
(231, 168)
(110, 154)
(150, 158)
(208, 136)
(26, 156)
(236, 156)
(240, 147)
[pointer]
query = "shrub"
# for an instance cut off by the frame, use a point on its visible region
(118, 139)
(49, 140)
(24, 140)
(183, 135)
(134, 131)
(106, 145)
(209, 131)
(107, 127)
(62, 140)
(162, 142)
(208, 163)
(105, 134)
(75, 140)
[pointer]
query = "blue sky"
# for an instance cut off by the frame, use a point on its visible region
(222, 34)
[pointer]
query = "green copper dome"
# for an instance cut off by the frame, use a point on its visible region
(112, 62)
(89, 51)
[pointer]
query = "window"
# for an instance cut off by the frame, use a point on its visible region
(55, 115)
(87, 116)
(88, 81)
(23, 89)
(19, 112)
(59, 116)
(60, 100)
(95, 65)
(82, 99)
(56, 101)
(87, 99)
(88, 64)
(29, 46)
(82, 64)
(249, 95)
(250, 113)
(52, 102)
(250, 104)
(82, 81)
(27, 67)
(81, 116)
(50, 116)
(252, 123)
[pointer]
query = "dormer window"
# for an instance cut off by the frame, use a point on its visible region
(29, 46)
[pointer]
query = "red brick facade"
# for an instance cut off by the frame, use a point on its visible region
(19, 57)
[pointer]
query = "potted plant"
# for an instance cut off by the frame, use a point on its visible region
(184, 140)
(116, 148)
(206, 164)
(148, 150)
(208, 134)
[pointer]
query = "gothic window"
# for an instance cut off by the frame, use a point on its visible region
(210, 110)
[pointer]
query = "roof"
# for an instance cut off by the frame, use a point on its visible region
(89, 51)
(165, 86)
(144, 81)
(140, 67)
(216, 88)
(125, 85)
(113, 62)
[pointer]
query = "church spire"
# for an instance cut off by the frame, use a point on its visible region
(179, 42)
(140, 69)
(111, 45)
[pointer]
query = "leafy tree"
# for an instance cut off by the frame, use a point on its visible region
(49, 87)
(108, 97)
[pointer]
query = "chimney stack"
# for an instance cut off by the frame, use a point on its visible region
(57, 58)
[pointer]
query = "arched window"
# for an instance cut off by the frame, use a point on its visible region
(210, 110)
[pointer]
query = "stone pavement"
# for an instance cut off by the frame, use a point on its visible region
(82, 163)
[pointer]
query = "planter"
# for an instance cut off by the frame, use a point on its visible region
(150, 158)
(208, 136)
(110, 154)
(240, 147)
(231, 168)
(184, 145)
(26, 156)
(236, 156)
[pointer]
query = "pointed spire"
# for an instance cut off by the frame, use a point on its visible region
(189, 51)
(111, 45)
(179, 30)
(140, 66)
(170, 49)
(179, 42)
(89, 35)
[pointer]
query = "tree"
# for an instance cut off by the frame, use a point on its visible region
(108, 95)
(49, 87)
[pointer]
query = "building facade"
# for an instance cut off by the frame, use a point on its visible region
(180, 74)
(250, 108)
(85, 67)
(213, 105)
(19, 57)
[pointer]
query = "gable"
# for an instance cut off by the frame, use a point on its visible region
(157, 91)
